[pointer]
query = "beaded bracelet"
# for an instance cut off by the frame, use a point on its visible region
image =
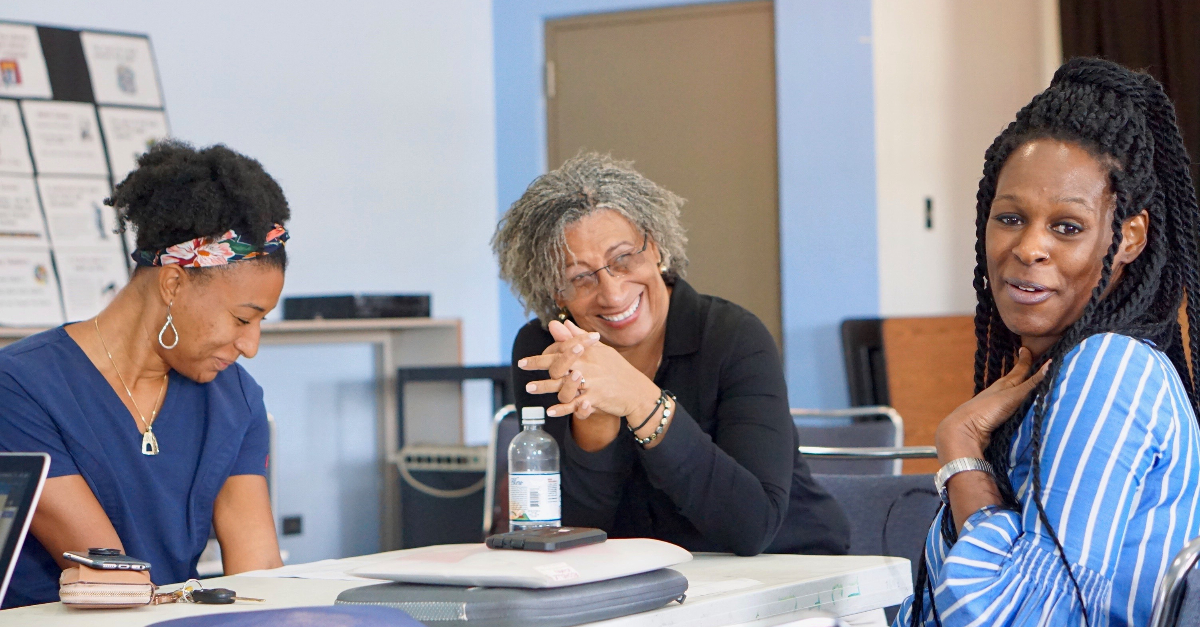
(662, 397)
(665, 399)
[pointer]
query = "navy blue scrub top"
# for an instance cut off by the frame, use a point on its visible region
(54, 400)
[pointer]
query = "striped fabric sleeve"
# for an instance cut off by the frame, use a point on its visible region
(1111, 412)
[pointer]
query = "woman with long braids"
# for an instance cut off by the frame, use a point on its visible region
(1073, 476)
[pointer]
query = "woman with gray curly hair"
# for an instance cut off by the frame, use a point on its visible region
(670, 406)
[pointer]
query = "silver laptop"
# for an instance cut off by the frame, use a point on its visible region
(22, 476)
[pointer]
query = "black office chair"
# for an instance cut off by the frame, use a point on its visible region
(1177, 598)
(866, 365)
(506, 424)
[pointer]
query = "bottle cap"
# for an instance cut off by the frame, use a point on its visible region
(533, 415)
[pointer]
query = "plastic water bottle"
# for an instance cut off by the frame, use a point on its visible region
(534, 483)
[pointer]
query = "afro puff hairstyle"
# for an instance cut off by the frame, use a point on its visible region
(179, 193)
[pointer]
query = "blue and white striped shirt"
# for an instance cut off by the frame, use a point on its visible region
(1120, 471)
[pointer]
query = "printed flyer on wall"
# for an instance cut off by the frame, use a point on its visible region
(22, 66)
(122, 69)
(28, 287)
(64, 137)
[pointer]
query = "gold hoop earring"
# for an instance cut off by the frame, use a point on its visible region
(169, 324)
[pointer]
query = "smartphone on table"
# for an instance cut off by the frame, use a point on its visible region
(547, 538)
(106, 559)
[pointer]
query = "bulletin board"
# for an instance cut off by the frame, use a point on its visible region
(77, 108)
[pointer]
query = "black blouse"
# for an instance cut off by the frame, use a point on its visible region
(727, 476)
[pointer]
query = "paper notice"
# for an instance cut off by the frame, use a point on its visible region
(76, 213)
(14, 148)
(22, 66)
(122, 69)
(28, 289)
(129, 133)
(20, 218)
(90, 277)
(64, 138)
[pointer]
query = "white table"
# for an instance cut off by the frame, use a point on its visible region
(397, 342)
(723, 590)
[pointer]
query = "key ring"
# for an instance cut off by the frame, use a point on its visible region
(192, 591)
(182, 594)
(190, 586)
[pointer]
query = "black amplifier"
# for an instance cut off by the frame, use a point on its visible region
(356, 306)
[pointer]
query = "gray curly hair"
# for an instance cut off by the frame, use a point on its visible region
(530, 240)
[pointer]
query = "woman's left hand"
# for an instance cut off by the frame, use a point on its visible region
(597, 378)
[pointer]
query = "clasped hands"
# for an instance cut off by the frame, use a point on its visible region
(589, 377)
(594, 383)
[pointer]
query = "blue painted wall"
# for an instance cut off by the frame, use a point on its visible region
(828, 243)
(826, 166)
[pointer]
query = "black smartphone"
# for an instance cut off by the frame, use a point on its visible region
(106, 559)
(547, 538)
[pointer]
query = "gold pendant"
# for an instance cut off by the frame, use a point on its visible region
(149, 443)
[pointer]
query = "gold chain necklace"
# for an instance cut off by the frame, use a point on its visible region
(149, 442)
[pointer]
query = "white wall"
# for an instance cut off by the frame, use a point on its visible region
(949, 76)
(377, 118)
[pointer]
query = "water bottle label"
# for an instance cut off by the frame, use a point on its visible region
(534, 497)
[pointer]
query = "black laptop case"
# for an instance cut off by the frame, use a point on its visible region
(439, 606)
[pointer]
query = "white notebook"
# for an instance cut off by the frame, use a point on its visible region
(477, 565)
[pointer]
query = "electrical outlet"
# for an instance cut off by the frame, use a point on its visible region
(292, 525)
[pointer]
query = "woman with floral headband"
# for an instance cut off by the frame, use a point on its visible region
(155, 435)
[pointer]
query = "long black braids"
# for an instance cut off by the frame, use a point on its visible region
(1125, 121)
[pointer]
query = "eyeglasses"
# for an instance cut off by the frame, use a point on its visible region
(621, 265)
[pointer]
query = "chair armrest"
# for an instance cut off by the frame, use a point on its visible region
(856, 412)
(870, 452)
(852, 412)
(1168, 597)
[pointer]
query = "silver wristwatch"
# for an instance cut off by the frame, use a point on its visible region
(953, 467)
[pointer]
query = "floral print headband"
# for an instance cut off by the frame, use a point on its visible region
(204, 252)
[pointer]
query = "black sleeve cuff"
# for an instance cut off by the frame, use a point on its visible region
(678, 448)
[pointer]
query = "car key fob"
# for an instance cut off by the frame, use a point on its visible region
(213, 596)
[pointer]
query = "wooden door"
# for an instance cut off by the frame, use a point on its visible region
(688, 94)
